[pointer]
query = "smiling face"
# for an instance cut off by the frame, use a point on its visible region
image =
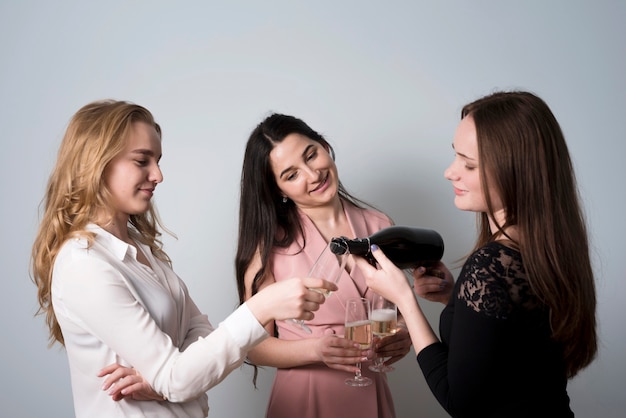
(304, 171)
(464, 172)
(133, 174)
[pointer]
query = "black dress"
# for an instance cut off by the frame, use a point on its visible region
(496, 357)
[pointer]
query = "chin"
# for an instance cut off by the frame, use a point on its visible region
(463, 207)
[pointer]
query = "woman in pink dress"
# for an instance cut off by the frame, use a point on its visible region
(292, 204)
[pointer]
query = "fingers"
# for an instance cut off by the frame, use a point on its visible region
(315, 294)
(382, 259)
(424, 285)
(434, 284)
(364, 266)
(346, 364)
(393, 359)
(392, 350)
(115, 373)
(125, 382)
(124, 386)
(108, 369)
(317, 283)
(294, 298)
(341, 354)
(397, 345)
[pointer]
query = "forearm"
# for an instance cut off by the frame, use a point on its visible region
(284, 354)
(422, 334)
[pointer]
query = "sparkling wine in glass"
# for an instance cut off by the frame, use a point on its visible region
(358, 328)
(384, 323)
(330, 265)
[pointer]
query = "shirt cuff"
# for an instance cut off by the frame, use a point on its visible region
(244, 328)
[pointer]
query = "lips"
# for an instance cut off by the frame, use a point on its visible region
(458, 191)
(323, 184)
(148, 191)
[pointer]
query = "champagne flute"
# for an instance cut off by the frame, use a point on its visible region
(384, 323)
(330, 265)
(359, 329)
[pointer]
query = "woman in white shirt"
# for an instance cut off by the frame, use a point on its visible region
(136, 342)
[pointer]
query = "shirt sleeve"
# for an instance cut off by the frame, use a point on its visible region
(98, 300)
(210, 359)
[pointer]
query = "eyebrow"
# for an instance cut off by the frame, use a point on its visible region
(463, 155)
(304, 153)
(146, 152)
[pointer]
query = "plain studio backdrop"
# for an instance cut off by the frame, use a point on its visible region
(383, 81)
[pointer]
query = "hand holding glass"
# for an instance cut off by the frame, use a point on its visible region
(359, 329)
(329, 265)
(384, 323)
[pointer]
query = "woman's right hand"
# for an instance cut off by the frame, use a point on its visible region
(340, 354)
(289, 299)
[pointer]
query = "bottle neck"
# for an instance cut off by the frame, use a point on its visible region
(359, 246)
(339, 246)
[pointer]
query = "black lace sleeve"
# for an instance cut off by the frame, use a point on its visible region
(484, 332)
(493, 282)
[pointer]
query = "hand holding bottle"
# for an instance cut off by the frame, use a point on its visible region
(387, 280)
(390, 282)
(434, 284)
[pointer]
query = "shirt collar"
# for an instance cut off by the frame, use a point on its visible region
(115, 245)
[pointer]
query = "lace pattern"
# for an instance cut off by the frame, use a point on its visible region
(493, 282)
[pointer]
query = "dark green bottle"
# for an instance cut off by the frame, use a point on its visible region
(407, 247)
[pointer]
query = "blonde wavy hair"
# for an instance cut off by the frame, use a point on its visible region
(76, 193)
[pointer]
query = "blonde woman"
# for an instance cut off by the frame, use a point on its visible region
(136, 342)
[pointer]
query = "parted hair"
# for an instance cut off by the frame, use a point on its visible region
(76, 192)
(265, 221)
(524, 158)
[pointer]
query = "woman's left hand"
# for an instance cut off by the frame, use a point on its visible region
(126, 382)
(395, 346)
(434, 284)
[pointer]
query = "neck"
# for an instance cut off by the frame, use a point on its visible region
(118, 226)
(329, 216)
(330, 221)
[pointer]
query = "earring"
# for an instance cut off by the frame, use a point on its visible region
(285, 199)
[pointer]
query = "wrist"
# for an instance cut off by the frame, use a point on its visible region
(258, 310)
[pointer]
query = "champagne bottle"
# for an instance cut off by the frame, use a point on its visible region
(407, 247)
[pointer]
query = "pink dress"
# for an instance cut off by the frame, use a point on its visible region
(317, 391)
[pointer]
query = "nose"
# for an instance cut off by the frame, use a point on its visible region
(450, 174)
(313, 173)
(156, 175)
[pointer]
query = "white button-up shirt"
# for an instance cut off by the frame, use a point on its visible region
(112, 308)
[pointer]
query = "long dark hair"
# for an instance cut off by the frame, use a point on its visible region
(265, 221)
(525, 160)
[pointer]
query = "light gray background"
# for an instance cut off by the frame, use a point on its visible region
(384, 81)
